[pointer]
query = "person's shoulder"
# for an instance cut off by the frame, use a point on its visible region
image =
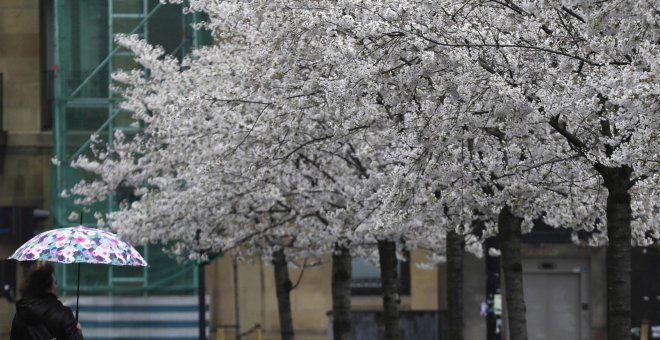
(54, 298)
(54, 306)
(51, 300)
(60, 306)
(37, 308)
(59, 315)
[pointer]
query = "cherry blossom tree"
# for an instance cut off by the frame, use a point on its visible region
(344, 124)
(428, 103)
(221, 162)
(587, 71)
(538, 56)
(191, 166)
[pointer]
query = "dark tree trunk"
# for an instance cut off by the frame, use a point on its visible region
(341, 294)
(619, 215)
(455, 254)
(390, 284)
(509, 230)
(283, 289)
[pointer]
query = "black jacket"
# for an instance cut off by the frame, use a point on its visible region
(35, 312)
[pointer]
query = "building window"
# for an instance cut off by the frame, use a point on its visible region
(365, 276)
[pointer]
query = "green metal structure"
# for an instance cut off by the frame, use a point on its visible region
(85, 56)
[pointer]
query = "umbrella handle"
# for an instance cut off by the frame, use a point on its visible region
(78, 293)
(78, 289)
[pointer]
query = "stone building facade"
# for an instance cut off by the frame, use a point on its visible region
(25, 136)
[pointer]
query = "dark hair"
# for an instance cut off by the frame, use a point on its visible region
(39, 281)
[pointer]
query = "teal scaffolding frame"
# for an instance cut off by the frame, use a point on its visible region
(85, 58)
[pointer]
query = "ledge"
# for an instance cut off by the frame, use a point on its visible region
(40, 139)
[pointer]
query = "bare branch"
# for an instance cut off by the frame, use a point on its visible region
(572, 13)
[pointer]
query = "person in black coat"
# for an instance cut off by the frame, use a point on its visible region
(39, 314)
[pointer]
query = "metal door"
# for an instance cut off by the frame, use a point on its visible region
(557, 298)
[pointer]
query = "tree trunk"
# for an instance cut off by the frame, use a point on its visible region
(509, 230)
(283, 289)
(455, 253)
(619, 216)
(341, 294)
(390, 284)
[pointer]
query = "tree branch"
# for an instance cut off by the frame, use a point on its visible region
(327, 175)
(302, 271)
(311, 141)
(572, 13)
(573, 140)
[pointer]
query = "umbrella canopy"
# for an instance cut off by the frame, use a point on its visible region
(79, 245)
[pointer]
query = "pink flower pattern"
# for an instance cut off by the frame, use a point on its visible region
(79, 245)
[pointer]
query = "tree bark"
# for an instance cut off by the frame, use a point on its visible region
(455, 253)
(509, 231)
(283, 287)
(619, 216)
(341, 294)
(390, 285)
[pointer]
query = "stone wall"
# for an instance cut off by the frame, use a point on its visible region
(25, 156)
(310, 301)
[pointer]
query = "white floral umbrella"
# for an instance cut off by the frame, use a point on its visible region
(79, 245)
